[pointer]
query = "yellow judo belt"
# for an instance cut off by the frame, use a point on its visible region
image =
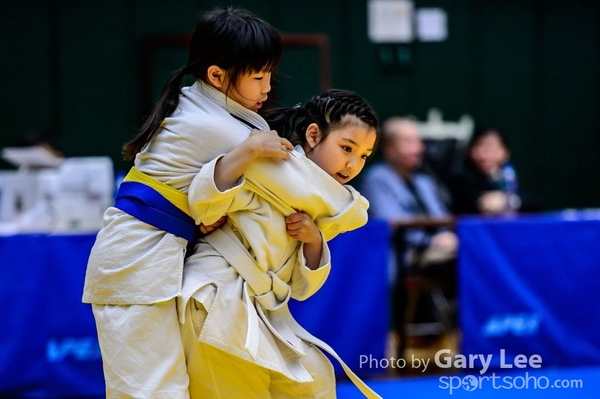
(157, 204)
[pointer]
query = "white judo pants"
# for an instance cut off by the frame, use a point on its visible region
(142, 353)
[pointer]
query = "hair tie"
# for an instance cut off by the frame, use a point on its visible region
(299, 109)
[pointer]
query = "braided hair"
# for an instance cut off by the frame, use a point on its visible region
(330, 110)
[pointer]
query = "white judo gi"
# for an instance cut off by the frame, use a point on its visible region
(135, 270)
(240, 303)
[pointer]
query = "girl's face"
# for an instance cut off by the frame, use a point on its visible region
(489, 153)
(251, 89)
(344, 151)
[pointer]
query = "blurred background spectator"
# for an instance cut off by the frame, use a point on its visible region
(400, 192)
(488, 183)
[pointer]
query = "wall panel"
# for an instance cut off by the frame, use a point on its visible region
(531, 67)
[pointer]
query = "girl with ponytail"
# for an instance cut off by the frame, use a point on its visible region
(135, 269)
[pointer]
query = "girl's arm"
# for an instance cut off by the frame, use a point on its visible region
(296, 184)
(260, 144)
(299, 185)
(212, 191)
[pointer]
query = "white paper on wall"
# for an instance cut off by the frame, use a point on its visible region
(432, 24)
(390, 21)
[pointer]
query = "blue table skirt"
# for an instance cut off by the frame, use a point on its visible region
(48, 337)
(529, 285)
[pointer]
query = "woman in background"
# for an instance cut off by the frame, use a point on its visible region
(488, 183)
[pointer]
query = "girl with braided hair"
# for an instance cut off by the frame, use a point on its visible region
(329, 111)
(240, 339)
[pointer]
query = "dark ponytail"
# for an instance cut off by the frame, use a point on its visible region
(166, 105)
(285, 120)
(231, 38)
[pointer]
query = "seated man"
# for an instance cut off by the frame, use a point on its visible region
(399, 192)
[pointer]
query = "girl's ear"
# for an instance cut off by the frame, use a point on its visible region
(313, 135)
(216, 76)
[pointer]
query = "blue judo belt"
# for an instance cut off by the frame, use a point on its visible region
(149, 206)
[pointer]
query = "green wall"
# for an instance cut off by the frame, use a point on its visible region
(530, 67)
